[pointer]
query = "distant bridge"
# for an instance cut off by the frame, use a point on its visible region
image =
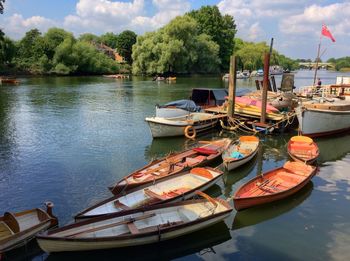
(312, 65)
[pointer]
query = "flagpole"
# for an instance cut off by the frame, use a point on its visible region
(317, 59)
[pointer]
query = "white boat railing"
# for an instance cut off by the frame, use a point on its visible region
(324, 90)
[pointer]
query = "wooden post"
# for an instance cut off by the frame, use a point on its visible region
(265, 83)
(232, 87)
(265, 87)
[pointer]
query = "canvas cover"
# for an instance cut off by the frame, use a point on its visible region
(183, 104)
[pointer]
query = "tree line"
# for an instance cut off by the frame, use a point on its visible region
(341, 64)
(59, 52)
(200, 41)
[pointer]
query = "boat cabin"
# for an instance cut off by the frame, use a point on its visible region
(208, 97)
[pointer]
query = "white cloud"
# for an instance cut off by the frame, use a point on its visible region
(16, 26)
(254, 31)
(102, 15)
(312, 17)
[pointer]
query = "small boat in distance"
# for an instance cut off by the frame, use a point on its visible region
(137, 227)
(172, 164)
(4, 80)
(173, 188)
(16, 229)
(273, 185)
(240, 152)
(304, 149)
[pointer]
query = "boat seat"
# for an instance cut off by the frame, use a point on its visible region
(12, 222)
(195, 160)
(27, 221)
(202, 172)
(154, 195)
(133, 229)
(120, 205)
(5, 231)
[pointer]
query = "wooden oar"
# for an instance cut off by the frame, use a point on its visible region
(113, 224)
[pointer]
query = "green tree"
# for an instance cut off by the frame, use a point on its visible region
(222, 30)
(7, 51)
(177, 47)
(109, 39)
(2, 6)
(53, 38)
(124, 44)
(87, 37)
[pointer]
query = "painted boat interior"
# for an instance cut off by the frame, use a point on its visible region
(160, 191)
(142, 222)
(282, 179)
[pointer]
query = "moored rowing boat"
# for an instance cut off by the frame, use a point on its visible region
(136, 227)
(304, 149)
(273, 185)
(18, 228)
(173, 188)
(172, 164)
(240, 152)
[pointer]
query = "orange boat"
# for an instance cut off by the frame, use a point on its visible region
(304, 149)
(273, 185)
(8, 81)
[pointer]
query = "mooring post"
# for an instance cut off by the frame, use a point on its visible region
(232, 87)
(265, 83)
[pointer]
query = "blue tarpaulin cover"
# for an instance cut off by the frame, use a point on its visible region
(237, 155)
(183, 104)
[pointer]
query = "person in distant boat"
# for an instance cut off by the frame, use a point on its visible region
(319, 84)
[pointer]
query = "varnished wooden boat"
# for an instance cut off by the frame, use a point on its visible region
(173, 188)
(273, 185)
(136, 227)
(9, 81)
(304, 149)
(240, 152)
(16, 229)
(171, 164)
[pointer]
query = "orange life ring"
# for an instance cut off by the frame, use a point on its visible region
(190, 129)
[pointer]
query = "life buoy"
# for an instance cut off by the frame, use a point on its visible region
(188, 130)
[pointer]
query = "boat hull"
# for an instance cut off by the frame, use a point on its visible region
(64, 239)
(21, 239)
(315, 122)
(104, 207)
(231, 165)
(166, 127)
(252, 201)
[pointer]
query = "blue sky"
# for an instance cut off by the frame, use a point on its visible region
(295, 25)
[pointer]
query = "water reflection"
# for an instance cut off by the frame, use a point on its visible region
(200, 242)
(231, 177)
(256, 215)
(334, 148)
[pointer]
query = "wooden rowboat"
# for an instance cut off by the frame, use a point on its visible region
(170, 165)
(16, 229)
(136, 227)
(173, 188)
(240, 152)
(304, 149)
(273, 185)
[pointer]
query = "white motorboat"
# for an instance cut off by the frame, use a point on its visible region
(323, 117)
(178, 126)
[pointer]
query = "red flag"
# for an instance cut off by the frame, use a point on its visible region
(327, 33)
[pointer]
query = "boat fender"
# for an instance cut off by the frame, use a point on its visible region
(190, 132)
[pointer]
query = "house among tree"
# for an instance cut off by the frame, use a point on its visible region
(112, 53)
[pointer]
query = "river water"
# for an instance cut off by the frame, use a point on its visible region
(66, 139)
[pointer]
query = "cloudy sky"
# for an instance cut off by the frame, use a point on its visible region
(294, 25)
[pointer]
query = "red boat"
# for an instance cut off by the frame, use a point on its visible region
(303, 149)
(273, 185)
